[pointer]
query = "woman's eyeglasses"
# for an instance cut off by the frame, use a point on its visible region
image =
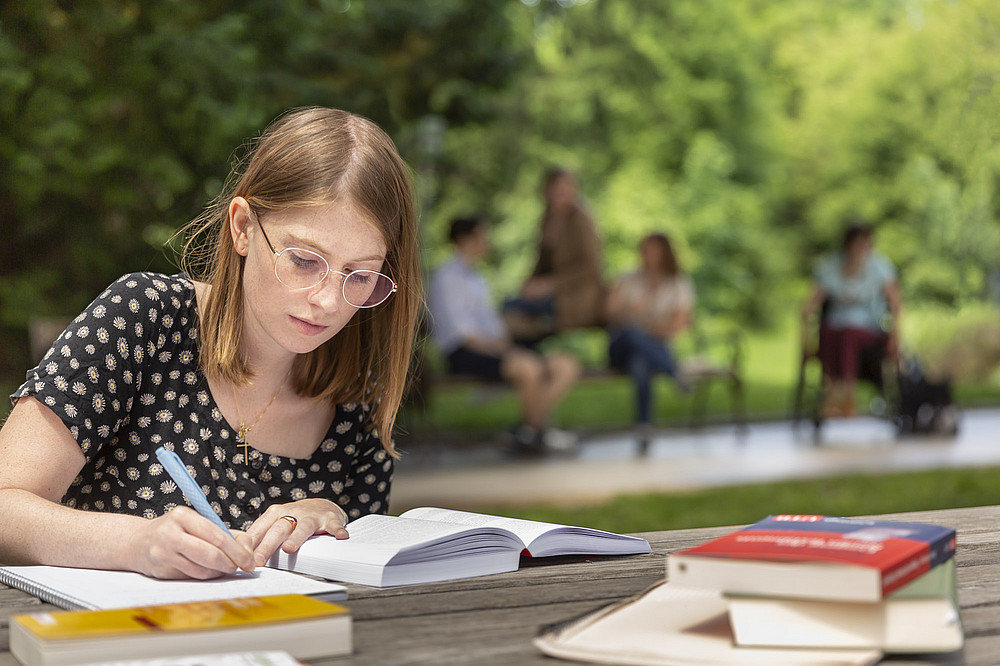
(303, 269)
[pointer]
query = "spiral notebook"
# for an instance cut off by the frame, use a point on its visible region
(95, 589)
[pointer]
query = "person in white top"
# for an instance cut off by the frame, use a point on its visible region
(646, 309)
(469, 331)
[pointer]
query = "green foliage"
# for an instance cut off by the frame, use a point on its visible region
(118, 118)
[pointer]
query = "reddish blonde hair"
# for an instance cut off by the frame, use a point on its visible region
(313, 157)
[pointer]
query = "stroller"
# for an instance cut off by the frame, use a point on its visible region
(925, 406)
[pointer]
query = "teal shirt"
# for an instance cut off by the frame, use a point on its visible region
(856, 301)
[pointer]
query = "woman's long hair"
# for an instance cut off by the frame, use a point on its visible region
(313, 157)
(668, 260)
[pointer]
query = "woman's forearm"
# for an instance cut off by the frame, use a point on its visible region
(34, 530)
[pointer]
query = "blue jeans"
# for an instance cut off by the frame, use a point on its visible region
(641, 356)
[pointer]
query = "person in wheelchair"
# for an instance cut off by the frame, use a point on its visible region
(856, 296)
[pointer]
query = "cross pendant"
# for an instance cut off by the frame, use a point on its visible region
(241, 437)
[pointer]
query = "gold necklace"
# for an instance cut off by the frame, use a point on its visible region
(245, 429)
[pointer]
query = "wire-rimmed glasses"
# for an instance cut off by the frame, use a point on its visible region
(297, 268)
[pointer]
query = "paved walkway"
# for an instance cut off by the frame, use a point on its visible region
(679, 460)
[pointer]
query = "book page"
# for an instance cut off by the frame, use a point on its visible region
(670, 625)
(270, 658)
(376, 539)
(70, 587)
(526, 530)
(540, 538)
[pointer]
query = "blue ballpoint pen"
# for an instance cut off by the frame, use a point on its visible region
(178, 472)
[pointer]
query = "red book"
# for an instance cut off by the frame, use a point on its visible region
(815, 557)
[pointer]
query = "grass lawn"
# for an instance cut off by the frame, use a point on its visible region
(853, 495)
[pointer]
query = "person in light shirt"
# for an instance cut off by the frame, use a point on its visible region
(857, 291)
(469, 331)
(646, 310)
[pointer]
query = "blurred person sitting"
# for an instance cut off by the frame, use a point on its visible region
(565, 289)
(470, 332)
(854, 290)
(646, 310)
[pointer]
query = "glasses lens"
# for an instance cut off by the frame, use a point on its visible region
(300, 269)
(364, 289)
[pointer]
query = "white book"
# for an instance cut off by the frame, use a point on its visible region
(96, 589)
(670, 625)
(428, 545)
(922, 616)
(268, 658)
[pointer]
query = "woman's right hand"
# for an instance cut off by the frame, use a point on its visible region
(183, 544)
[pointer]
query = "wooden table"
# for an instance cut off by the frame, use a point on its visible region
(490, 620)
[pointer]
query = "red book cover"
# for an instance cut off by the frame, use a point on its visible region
(901, 551)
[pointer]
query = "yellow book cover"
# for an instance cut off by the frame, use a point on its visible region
(182, 617)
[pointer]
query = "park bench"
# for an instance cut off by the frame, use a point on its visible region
(713, 361)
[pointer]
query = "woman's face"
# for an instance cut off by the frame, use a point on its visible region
(562, 192)
(859, 248)
(300, 320)
(652, 257)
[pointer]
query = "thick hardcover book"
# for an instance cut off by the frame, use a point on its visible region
(815, 557)
(427, 545)
(306, 628)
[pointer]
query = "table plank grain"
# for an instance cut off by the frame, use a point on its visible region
(492, 619)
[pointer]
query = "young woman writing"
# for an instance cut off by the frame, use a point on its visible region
(273, 367)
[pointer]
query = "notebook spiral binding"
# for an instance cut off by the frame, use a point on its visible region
(43, 592)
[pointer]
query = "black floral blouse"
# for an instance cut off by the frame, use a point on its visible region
(124, 378)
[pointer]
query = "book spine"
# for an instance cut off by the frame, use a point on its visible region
(940, 550)
(43, 592)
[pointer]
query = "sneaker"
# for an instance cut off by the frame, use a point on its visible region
(559, 441)
(525, 441)
(643, 437)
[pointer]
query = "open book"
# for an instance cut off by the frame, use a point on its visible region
(669, 625)
(427, 545)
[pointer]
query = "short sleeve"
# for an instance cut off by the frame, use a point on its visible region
(93, 371)
(885, 269)
(685, 293)
(366, 489)
(824, 272)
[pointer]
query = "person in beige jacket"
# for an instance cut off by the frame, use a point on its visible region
(566, 288)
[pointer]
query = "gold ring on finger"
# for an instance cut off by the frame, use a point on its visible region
(290, 519)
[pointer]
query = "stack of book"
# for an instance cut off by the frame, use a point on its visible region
(817, 581)
(790, 589)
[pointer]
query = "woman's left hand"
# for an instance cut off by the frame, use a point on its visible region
(288, 526)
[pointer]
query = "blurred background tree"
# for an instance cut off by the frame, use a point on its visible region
(118, 119)
(749, 131)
